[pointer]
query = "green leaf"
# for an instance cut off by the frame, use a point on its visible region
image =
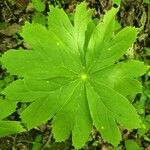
(41, 110)
(105, 47)
(46, 85)
(49, 46)
(18, 91)
(119, 106)
(107, 108)
(122, 75)
(11, 107)
(37, 144)
(116, 2)
(65, 99)
(81, 20)
(75, 112)
(72, 76)
(88, 33)
(24, 62)
(61, 26)
(118, 148)
(131, 144)
(10, 127)
(101, 34)
(147, 1)
(111, 51)
(102, 117)
(67, 112)
(47, 106)
(39, 5)
(133, 86)
(39, 18)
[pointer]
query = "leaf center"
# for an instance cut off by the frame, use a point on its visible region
(84, 76)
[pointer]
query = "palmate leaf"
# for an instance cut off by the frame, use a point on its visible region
(116, 2)
(122, 75)
(10, 127)
(39, 5)
(72, 76)
(11, 107)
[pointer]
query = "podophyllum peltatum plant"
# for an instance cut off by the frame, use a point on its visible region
(72, 76)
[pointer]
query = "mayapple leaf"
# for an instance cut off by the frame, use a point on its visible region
(61, 26)
(75, 112)
(18, 91)
(50, 46)
(102, 117)
(26, 62)
(116, 2)
(11, 107)
(81, 20)
(146, 1)
(132, 144)
(110, 51)
(117, 105)
(101, 35)
(30, 63)
(39, 5)
(10, 127)
(122, 75)
(47, 106)
(72, 76)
